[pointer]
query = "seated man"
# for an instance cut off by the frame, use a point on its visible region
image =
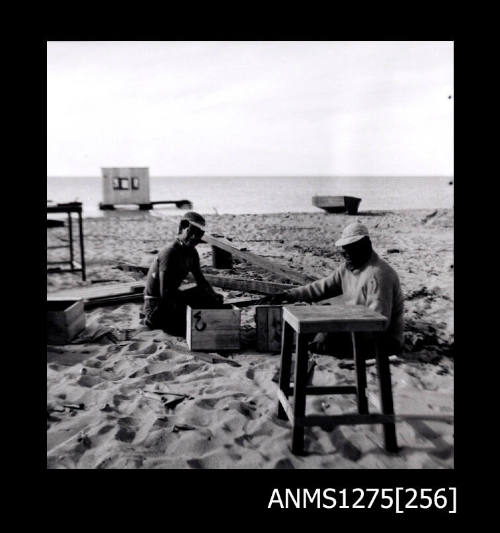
(363, 279)
(164, 304)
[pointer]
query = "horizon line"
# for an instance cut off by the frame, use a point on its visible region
(270, 175)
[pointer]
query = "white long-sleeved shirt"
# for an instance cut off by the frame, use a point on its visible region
(375, 285)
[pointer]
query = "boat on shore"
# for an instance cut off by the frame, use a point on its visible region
(337, 204)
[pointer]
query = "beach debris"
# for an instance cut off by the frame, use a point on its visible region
(79, 407)
(182, 427)
(107, 408)
(149, 395)
(71, 407)
(394, 359)
(99, 335)
(172, 403)
(429, 216)
(168, 403)
(393, 251)
(168, 393)
(52, 410)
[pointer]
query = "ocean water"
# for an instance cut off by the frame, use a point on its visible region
(237, 195)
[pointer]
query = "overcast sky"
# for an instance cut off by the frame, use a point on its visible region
(250, 108)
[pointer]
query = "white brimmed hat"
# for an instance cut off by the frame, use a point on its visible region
(195, 219)
(352, 233)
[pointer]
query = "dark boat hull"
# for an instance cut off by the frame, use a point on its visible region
(337, 204)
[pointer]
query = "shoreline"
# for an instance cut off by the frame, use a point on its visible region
(175, 212)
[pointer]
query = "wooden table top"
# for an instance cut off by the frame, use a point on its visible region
(338, 317)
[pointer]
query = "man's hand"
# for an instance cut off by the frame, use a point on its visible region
(219, 299)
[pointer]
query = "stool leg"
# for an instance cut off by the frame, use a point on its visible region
(359, 362)
(286, 365)
(384, 376)
(299, 397)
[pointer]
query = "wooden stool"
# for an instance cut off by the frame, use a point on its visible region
(307, 320)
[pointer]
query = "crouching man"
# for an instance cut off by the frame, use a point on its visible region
(164, 303)
(363, 279)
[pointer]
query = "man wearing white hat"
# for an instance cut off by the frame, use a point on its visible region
(164, 304)
(363, 279)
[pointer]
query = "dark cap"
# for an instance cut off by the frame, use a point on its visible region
(195, 219)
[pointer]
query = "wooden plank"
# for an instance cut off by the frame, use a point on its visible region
(274, 325)
(101, 291)
(339, 389)
(225, 282)
(287, 408)
(247, 285)
(376, 418)
(261, 328)
(114, 300)
(218, 340)
(268, 321)
(280, 270)
(221, 258)
(339, 317)
(299, 397)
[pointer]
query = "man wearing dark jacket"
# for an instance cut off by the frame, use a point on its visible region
(363, 279)
(164, 303)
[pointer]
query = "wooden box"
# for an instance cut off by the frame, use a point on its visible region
(268, 323)
(213, 329)
(65, 319)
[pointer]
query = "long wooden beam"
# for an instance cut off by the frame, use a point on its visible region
(279, 270)
(101, 291)
(247, 285)
(90, 301)
(227, 282)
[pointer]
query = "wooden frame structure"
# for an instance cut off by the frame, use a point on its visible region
(304, 321)
(69, 208)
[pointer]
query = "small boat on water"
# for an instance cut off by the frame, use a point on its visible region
(337, 204)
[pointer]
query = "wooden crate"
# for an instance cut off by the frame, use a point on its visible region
(65, 319)
(268, 323)
(213, 329)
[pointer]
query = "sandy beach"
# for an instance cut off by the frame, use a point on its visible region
(105, 389)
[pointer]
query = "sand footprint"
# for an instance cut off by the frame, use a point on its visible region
(164, 355)
(207, 403)
(126, 431)
(139, 347)
(195, 463)
(160, 376)
(284, 463)
(119, 398)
